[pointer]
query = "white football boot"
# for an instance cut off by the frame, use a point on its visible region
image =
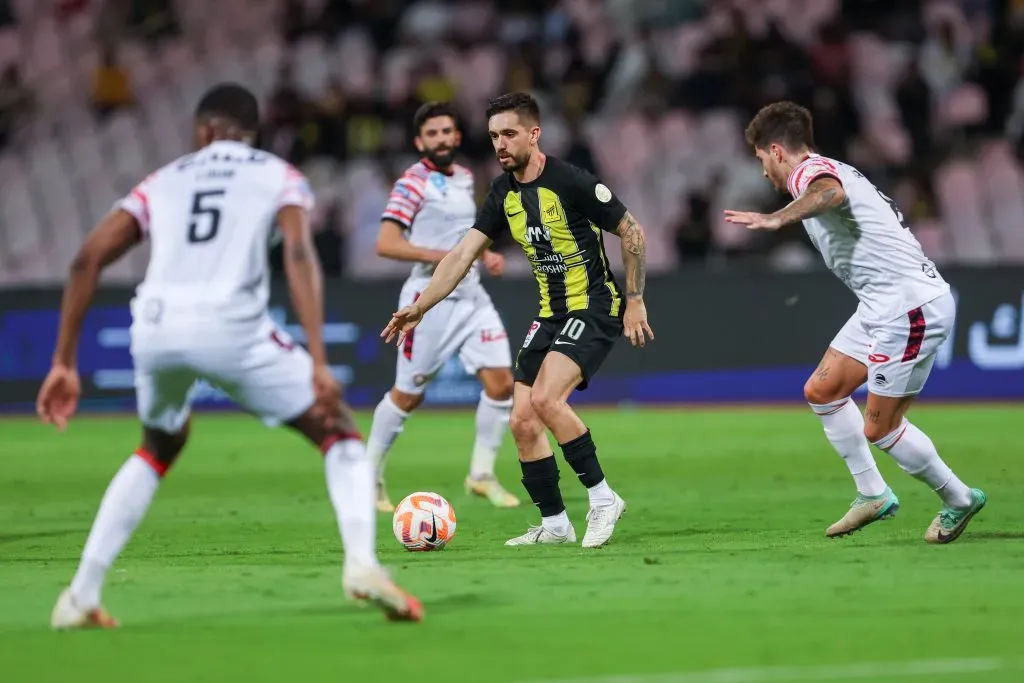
(538, 535)
(372, 584)
(68, 615)
(601, 522)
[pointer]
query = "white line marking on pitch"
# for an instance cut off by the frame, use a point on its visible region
(812, 674)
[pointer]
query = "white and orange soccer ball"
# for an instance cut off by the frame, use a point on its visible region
(424, 521)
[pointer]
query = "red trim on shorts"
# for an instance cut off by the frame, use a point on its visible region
(275, 337)
(407, 343)
(159, 467)
(916, 336)
(337, 438)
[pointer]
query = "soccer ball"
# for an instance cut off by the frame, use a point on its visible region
(424, 521)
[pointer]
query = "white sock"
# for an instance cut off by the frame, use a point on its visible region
(558, 524)
(388, 422)
(844, 427)
(916, 455)
(123, 506)
(491, 424)
(601, 494)
(352, 489)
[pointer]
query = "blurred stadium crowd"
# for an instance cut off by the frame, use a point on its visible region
(925, 96)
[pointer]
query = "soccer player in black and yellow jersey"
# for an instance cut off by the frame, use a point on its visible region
(557, 213)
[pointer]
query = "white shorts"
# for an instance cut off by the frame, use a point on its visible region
(899, 354)
(257, 365)
(468, 324)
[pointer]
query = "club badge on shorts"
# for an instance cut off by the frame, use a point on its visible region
(534, 326)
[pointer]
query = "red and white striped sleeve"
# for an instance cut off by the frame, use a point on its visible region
(136, 202)
(405, 200)
(809, 170)
(296, 191)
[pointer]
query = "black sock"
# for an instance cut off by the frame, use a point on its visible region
(581, 454)
(540, 478)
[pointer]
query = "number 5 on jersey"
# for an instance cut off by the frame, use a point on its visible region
(205, 217)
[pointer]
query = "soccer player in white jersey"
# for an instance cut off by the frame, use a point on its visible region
(906, 312)
(201, 313)
(430, 208)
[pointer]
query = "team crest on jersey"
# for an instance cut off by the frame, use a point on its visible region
(440, 182)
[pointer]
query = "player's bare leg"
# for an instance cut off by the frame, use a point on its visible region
(492, 419)
(124, 504)
(350, 485)
(887, 427)
(829, 392)
(558, 377)
(540, 474)
(388, 422)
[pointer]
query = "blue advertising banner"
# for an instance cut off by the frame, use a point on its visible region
(720, 338)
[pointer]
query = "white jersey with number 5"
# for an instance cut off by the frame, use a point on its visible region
(208, 217)
(867, 244)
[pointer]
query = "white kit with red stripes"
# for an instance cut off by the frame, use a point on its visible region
(436, 209)
(208, 217)
(867, 243)
(201, 311)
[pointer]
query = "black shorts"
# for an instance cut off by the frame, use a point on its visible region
(584, 336)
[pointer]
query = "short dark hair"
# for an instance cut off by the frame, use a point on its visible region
(784, 123)
(521, 103)
(432, 110)
(231, 101)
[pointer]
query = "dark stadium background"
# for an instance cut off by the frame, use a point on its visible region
(720, 572)
(925, 97)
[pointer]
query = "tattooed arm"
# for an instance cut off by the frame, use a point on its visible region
(634, 255)
(634, 258)
(823, 194)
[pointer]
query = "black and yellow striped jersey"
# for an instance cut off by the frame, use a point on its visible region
(557, 219)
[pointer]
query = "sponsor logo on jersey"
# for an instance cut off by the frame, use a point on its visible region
(538, 234)
(551, 263)
(878, 358)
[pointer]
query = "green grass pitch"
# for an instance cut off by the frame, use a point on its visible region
(719, 566)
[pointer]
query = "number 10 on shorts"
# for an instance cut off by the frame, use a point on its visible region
(573, 329)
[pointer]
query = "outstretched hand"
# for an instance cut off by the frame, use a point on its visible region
(58, 397)
(754, 221)
(402, 323)
(634, 323)
(494, 263)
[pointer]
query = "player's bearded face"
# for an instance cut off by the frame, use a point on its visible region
(438, 140)
(511, 140)
(773, 168)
